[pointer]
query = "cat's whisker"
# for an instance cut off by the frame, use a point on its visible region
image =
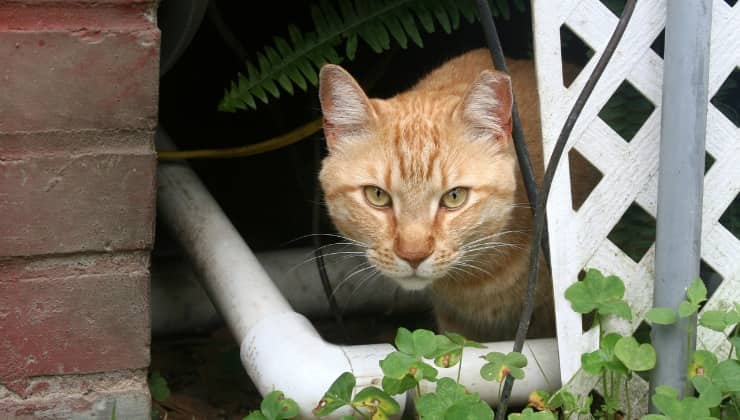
(462, 270)
(359, 269)
(346, 245)
(465, 264)
(351, 253)
(346, 257)
(364, 282)
(330, 235)
(497, 245)
(492, 236)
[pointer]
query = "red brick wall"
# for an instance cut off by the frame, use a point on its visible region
(78, 107)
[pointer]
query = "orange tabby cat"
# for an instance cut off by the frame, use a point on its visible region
(428, 182)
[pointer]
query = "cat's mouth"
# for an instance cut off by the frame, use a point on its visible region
(413, 282)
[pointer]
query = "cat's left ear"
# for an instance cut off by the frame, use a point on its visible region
(486, 107)
(348, 115)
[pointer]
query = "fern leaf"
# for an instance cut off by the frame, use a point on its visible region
(407, 21)
(468, 10)
(503, 7)
(332, 17)
(341, 24)
(454, 12)
(348, 12)
(441, 14)
(295, 35)
(352, 47)
(391, 22)
(282, 46)
(425, 17)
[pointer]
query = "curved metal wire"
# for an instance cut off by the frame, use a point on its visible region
(539, 216)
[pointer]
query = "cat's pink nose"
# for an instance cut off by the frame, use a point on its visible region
(414, 253)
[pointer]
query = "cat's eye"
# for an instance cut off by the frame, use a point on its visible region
(454, 198)
(377, 197)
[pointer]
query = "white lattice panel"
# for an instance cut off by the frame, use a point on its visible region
(578, 239)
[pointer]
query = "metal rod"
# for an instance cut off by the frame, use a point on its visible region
(520, 143)
(680, 180)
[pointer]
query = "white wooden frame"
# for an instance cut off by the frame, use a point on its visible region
(578, 239)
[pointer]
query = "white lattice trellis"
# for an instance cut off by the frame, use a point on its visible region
(579, 238)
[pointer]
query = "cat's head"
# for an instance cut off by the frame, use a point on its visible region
(424, 180)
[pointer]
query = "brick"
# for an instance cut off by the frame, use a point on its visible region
(71, 265)
(102, 199)
(78, 79)
(83, 323)
(21, 145)
(47, 15)
(77, 397)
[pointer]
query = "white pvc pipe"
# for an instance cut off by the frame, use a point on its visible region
(280, 349)
(179, 303)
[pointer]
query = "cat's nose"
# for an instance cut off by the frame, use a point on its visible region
(414, 252)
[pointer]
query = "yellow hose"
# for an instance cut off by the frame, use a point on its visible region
(274, 143)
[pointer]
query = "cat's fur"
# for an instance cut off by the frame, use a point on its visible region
(452, 129)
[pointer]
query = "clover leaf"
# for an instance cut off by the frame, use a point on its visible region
(690, 408)
(637, 357)
(276, 407)
(709, 392)
(719, 320)
(402, 372)
(703, 362)
(379, 404)
(735, 341)
(726, 375)
(419, 343)
(338, 395)
(596, 292)
(529, 414)
(499, 365)
(603, 358)
(662, 316)
(448, 353)
(452, 401)
(697, 292)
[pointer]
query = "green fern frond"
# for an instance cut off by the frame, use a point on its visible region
(287, 64)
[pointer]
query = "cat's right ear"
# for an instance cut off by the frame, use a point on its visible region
(486, 107)
(348, 115)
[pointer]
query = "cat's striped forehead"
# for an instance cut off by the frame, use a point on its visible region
(415, 133)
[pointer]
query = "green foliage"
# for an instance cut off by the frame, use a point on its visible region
(662, 316)
(719, 321)
(402, 372)
(338, 27)
(604, 358)
(377, 403)
(158, 387)
(405, 369)
(717, 382)
(452, 400)
(695, 294)
(420, 343)
(338, 395)
(499, 365)
(529, 414)
(690, 408)
(599, 293)
(275, 407)
(636, 357)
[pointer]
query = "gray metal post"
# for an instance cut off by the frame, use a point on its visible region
(680, 179)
